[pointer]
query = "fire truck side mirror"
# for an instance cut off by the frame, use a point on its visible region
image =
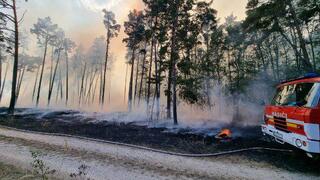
(262, 103)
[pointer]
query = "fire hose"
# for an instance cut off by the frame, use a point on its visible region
(147, 148)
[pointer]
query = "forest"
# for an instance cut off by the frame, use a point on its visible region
(177, 52)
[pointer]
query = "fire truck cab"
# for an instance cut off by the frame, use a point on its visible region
(293, 116)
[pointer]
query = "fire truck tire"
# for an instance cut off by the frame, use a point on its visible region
(314, 156)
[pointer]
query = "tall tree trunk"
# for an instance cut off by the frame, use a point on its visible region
(58, 91)
(169, 86)
(208, 74)
(16, 59)
(125, 84)
(79, 86)
(264, 64)
(93, 77)
(131, 80)
(53, 78)
(20, 80)
(150, 72)
(85, 90)
(312, 50)
(4, 82)
(42, 70)
(277, 58)
(136, 80)
(229, 70)
(35, 84)
(285, 55)
(101, 84)
(306, 60)
(271, 61)
(95, 88)
(156, 97)
(110, 88)
(143, 72)
(105, 69)
(82, 82)
(294, 47)
(173, 59)
(51, 65)
(61, 87)
(67, 77)
(1, 66)
(158, 83)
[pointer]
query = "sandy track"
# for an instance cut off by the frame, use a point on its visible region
(117, 162)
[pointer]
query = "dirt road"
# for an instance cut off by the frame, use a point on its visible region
(116, 162)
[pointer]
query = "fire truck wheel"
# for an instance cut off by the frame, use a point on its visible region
(314, 156)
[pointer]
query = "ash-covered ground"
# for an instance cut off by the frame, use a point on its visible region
(182, 139)
(122, 127)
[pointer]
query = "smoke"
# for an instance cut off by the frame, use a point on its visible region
(242, 109)
(98, 5)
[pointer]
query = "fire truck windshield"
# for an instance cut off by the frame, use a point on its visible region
(300, 95)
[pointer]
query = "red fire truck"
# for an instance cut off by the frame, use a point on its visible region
(294, 114)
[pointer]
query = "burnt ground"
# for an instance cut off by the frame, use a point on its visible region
(180, 140)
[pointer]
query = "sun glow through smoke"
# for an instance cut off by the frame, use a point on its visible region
(98, 5)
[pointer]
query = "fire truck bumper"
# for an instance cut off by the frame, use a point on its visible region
(299, 141)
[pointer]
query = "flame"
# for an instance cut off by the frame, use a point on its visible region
(224, 134)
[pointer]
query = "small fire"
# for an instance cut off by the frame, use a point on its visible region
(224, 134)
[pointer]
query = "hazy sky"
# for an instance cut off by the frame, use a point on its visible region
(82, 22)
(82, 19)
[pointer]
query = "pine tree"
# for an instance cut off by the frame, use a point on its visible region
(112, 31)
(46, 32)
(135, 29)
(9, 14)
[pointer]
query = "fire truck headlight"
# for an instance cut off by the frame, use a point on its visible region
(298, 143)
